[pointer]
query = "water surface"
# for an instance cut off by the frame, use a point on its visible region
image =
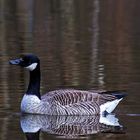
(85, 44)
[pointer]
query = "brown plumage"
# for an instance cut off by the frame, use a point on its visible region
(75, 102)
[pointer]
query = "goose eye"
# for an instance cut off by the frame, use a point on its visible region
(25, 60)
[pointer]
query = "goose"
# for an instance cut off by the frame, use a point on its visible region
(62, 101)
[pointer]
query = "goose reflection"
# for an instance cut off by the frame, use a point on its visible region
(69, 126)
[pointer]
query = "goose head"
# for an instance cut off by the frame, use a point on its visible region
(32, 63)
(28, 61)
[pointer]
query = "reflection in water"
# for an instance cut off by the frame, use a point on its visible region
(69, 126)
(101, 75)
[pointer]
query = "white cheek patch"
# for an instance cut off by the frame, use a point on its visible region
(31, 67)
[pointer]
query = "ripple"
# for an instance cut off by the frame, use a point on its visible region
(133, 115)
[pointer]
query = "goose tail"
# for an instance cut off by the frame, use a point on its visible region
(119, 95)
(109, 106)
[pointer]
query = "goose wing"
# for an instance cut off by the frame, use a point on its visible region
(71, 96)
(75, 102)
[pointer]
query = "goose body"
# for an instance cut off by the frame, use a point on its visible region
(63, 101)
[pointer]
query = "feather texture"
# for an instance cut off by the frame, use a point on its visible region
(66, 102)
(72, 102)
(68, 125)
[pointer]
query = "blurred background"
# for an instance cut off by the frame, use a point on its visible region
(82, 44)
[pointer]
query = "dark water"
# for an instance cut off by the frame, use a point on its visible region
(86, 44)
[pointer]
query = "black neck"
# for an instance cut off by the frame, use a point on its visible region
(34, 84)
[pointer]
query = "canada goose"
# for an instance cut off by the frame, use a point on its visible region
(63, 101)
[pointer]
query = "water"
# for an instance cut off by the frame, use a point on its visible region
(85, 44)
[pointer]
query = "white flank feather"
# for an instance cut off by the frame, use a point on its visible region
(109, 106)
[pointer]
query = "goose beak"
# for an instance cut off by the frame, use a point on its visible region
(15, 62)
